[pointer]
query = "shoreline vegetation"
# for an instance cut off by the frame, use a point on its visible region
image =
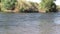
(23, 6)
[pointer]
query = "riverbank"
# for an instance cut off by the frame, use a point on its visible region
(25, 7)
(10, 11)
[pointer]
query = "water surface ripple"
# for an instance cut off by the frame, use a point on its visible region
(30, 23)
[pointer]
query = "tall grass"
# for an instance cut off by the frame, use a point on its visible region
(24, 5)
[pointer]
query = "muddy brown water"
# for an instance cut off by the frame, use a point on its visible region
(29, 23)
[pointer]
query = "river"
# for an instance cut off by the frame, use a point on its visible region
(30, 23)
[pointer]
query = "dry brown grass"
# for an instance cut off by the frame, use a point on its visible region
(25, 5)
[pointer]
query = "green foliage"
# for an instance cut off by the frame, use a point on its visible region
(8, 4)
(46, 5)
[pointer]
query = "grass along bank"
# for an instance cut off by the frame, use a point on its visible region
(22, 6)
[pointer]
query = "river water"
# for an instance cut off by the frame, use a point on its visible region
(29, 23)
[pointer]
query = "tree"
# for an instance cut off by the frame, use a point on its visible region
(48, 5)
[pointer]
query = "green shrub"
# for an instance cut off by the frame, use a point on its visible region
(48, 5)
(8, 4)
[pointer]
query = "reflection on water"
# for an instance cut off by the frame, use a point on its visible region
(30, 23)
